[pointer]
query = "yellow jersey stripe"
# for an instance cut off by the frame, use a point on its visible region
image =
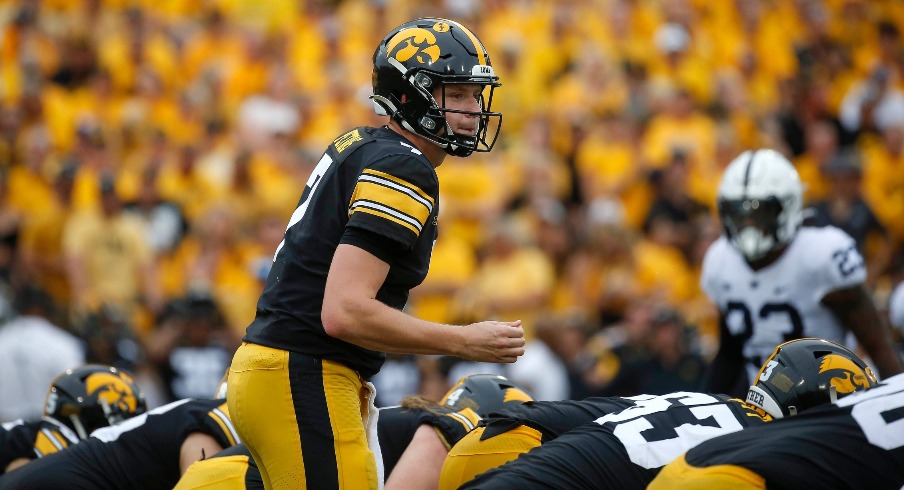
(400, 205)
(225, 425)
(383, 214)
(47, 443)
(398, 184)
(466, 417)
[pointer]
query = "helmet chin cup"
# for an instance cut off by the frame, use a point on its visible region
(753, 243)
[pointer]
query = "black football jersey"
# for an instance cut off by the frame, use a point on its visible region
(625, 449)
(857, 443)
(552, 418)
(33, 439)
(139, 453)
(371, 189)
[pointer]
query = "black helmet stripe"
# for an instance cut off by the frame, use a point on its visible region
(478, 46)
(747, 171)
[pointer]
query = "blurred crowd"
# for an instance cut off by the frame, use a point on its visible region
(151, 154)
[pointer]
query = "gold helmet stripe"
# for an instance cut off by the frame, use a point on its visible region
(481, 52)
(766, 363)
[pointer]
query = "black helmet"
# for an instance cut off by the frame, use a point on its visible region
(805, 373)
(420, 56)
(484, 393)
(93, 396)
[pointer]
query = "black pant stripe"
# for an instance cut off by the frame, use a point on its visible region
(312, 415)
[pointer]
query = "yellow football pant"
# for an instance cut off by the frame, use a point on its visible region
(470, 456)
(303, 419)
(679, 475)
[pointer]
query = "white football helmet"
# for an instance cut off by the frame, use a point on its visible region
(760, 202)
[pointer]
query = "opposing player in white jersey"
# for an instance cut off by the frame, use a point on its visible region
(774, 280)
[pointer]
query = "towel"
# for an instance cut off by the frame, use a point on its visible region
(370, 426)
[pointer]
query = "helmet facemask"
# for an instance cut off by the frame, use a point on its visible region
(425, 115)
(760, 200)
(87, 420)
(754, 226)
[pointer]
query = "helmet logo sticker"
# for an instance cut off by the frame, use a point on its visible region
(846, 376)
(414, 43)
(112, 389)
(514, 394)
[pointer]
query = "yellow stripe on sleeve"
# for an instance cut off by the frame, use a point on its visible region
(220, 417)
(392, 178)
(384, 215)
(47, 444)
(392, 198)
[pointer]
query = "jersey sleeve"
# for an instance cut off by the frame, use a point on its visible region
(838, 264)
(219, 426)
(49, 441)
(18, 443)
(394, 197)
(452, 426)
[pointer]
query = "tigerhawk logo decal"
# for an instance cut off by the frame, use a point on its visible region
(846, 376)
(113, 389)
(415, 43)
(514, 394)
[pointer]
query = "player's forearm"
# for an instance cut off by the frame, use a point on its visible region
(887, 362)
(856, 310)
(421, 463)
(878, 344)
(373, 325)
(724, 373)
(727, 367)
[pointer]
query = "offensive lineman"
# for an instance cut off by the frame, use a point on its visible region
(146, 452)
(625, 450)
(79, 401)
(856, 443)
